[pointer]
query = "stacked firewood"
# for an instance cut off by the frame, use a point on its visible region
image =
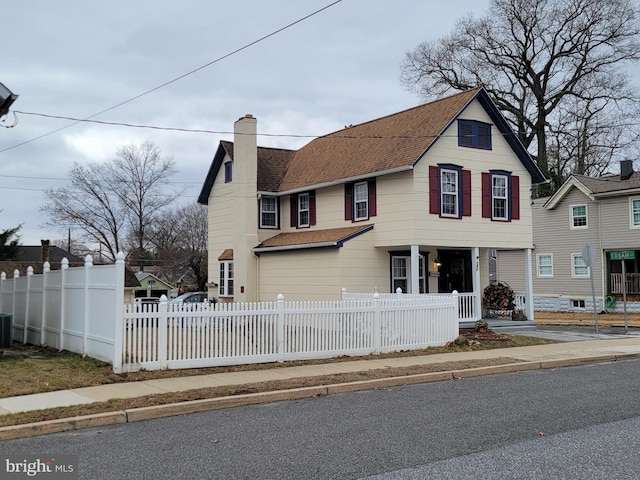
(498, 296)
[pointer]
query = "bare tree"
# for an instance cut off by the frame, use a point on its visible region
(540, 60)
(180, 241)
(106, 202)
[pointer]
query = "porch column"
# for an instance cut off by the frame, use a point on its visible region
(477, 291)
(528, 276)
(415, 266)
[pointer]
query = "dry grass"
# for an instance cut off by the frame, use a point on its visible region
(586, 318)
(29, 369)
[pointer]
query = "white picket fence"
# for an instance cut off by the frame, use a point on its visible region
(82, 310)
(173, 336)
(466, 301)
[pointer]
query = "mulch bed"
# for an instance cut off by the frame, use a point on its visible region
(489, 335)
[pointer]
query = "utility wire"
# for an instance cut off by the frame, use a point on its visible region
(219, 59)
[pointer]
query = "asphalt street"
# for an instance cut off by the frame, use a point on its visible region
(539, 424)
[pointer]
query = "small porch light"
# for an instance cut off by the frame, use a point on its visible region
(7, 97)
(437, 264)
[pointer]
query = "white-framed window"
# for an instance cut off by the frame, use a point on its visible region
(579, 269)
(544, 262)
(303, 210)
(578, 216)
(499, 197)
(401, 273)
(449, 193)
(268, 212)
(225, 284)
(361, 200)
(634, 209)
(579, 304)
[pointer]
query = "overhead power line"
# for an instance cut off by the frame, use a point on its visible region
(219, 59)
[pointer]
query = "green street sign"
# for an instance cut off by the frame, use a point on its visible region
(623, 255)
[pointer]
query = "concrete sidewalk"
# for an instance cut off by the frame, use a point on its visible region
(576, 348)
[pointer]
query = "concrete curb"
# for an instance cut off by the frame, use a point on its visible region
(194, 406)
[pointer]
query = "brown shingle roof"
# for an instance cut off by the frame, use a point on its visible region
(272, 165)
(311, 237)
(387, 143)
(609, 183)
(226, 255)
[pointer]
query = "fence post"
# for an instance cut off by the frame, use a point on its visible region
(377, 323)
(118, 301)
(398, 291)
(88, 263)
(16, 275)
(25, 333)
(64, 266)
(344, 293)
(456, 311)
(280, 327)
(3, 278)
(45, 270)
(162, 332)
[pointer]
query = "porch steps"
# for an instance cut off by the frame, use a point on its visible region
(500, 326)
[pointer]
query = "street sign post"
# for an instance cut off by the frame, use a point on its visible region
(623, 255)
(588, 256)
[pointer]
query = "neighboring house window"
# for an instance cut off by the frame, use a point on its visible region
(635, 212)
(577, 304)
(474, 134)
(500, 195)
(228, 172)
(268, 212)
(545, 265)
(303, 209)
(360, 200)
(225, 286)
(449, 191)
(578, 216)
(579, 269)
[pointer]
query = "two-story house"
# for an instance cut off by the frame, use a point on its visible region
(601, 211)
(414, 200)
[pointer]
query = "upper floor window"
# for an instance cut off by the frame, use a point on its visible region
(499, 199)
(500, 195)
(579, 269)
(474, 134)
(578, 216)
(360, 200)
(449, 191)
(303, 209)
(268, 212)
(228, 172)
(544, 263)
(635, 212)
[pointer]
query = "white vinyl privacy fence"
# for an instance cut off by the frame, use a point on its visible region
(71, 309)
(171, 336)
(82, 310)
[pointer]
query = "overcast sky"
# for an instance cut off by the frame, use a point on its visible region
(75, 58)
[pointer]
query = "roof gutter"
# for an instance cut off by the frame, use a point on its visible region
(300, 246)
(341, 181)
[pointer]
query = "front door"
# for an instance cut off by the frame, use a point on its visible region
(455, 271)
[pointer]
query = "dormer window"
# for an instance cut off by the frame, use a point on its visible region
(474, 134)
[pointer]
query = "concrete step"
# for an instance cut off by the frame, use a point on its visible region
(499, 326)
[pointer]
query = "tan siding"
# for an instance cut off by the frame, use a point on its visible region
(616, 224)
(553, 235)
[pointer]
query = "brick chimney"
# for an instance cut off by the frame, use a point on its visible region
(45, 250)
(626, 169)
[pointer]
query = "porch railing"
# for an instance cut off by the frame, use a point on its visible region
(632, 283)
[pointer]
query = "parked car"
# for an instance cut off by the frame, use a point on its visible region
(191, 297)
